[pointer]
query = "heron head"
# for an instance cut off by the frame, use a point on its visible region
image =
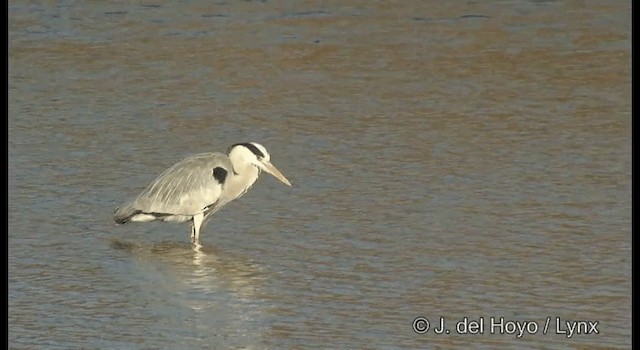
(255, 154)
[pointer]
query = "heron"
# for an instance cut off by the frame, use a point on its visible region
(193, 189)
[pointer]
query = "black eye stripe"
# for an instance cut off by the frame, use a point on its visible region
(255, 150)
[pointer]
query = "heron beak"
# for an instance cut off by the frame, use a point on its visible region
(271, 169)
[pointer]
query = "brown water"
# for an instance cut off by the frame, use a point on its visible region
(449, 159)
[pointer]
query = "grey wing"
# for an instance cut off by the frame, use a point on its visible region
(187, 188)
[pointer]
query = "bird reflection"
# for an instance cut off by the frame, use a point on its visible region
(212, 291)
(203, 269)
(199, 255)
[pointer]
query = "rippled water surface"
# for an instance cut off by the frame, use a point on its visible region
(448, 159)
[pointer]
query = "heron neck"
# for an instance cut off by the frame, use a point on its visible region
(244, 177)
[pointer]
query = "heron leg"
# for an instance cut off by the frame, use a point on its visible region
(195, 228)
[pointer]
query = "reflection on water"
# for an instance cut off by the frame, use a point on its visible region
(200, 267)
(221, 290)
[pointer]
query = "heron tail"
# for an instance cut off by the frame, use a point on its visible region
(123, 214)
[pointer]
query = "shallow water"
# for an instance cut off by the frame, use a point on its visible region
(459, 159)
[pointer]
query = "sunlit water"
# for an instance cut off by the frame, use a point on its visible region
(451, 159)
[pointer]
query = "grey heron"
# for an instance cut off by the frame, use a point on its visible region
(198, 186)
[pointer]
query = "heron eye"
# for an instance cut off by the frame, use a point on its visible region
(220, 174)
